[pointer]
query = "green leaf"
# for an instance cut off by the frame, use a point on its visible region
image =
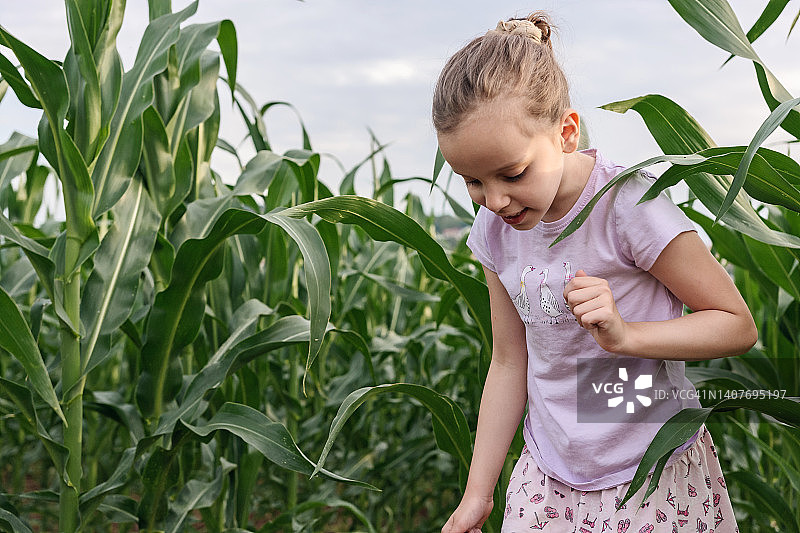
(109, 294)
(195, 494)
(699, 376)
(93, 498)
(228, 45)
(333, 505)
(268, 437)
(318, 276)
(791, 473)
(449, 423)
(269, 105)
(113, 406)
(772, 177)
(16, 338)
(177, 312)
(716, 22)
(385, 223)
(438, 164)
(580, 218)
(167, 181)
(765, 130)
(767, 498)
(50, 85)
(198, 99)
(121, 153)
(16, 155)
(677, 132)
(677, 430)
(86, 96)
(777, 263)
(770, 14)
(39, 256)
(774, 94)
(12, 522)
(22, 398)
(14, 80)
(235, 352)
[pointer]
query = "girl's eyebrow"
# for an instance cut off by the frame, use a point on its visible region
(509, 167)
(500, 170)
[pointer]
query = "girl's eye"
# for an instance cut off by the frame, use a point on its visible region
(517, 177)
(472, 183)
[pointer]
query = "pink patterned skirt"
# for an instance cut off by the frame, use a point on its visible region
(691, 497)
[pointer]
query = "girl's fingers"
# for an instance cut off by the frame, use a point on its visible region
(582, 311)
(579, 296)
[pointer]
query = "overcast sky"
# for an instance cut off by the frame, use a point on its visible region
(350, 65)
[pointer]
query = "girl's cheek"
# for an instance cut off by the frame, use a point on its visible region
(475, 195)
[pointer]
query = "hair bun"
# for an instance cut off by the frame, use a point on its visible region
(523, 27)
(536, 26)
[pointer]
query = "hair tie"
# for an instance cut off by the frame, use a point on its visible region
(525, 28)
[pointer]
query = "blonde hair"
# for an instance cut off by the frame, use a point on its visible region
(515, 59)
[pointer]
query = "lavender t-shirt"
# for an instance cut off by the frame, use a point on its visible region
(568, 373)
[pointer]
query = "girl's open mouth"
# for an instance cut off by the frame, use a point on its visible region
(515, 219)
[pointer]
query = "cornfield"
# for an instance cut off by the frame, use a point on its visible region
(186, 353)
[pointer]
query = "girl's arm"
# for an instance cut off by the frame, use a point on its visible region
(720, 324)
(503, 403)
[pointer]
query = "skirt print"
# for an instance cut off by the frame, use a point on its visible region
(691, 497)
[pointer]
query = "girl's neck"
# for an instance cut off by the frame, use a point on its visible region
(577, 169)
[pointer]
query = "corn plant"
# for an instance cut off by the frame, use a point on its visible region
(111, 303)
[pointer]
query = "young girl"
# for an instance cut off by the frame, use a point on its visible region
(568, 347)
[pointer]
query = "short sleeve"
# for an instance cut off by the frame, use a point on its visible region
(644, 230)
(478, 242)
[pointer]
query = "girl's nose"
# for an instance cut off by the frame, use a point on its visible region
(495, 197)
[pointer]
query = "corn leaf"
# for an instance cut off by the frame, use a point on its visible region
(770, 124)
(124, 253)
(772, 177)
(268, 437)
(195, 494)
(677, 430)
(385, 223)
(50, 86)
(16, 338)
(716, 22)
(677, 132)
(770, 14)
(449, 423)
(168, 177)
(237, 350)
(122, 150)
(86, 98)
(13, 523)
(15, 80)
(16, 155)
(767, 498)
(177, 312)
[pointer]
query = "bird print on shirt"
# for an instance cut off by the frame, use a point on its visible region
(567, 278)
(521, 300)
(547, 299)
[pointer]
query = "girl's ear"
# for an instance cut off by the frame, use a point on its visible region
(570, 131)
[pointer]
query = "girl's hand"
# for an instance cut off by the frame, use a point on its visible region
(470, 515)
(592, 303)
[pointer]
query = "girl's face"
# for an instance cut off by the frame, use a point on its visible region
(512, 164)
